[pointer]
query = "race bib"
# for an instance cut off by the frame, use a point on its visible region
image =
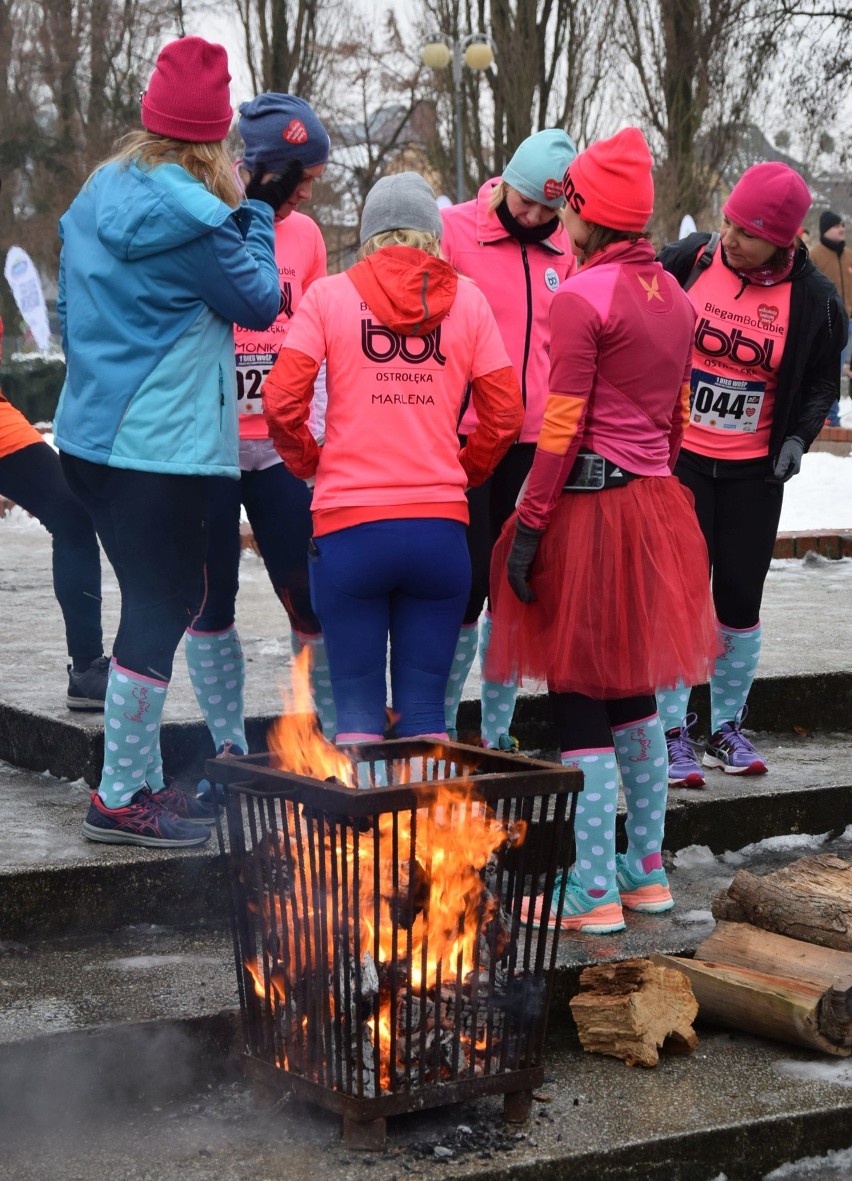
(252, 371)
(725, 404)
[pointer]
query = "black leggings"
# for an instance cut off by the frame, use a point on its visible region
(585, 722)
(153, 528)
(32, 477)
(491, 505)
(738, 510)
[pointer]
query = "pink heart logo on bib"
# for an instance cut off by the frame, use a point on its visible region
(767, 313)
(750, 411)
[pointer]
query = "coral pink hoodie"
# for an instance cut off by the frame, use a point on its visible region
(403, 337)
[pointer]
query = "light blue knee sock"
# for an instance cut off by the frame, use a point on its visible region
(643, 762)
(673, 706)
(217, 672)
(132, 710)
(734, 673)
(498, 697)
(320, 680)
(462, 663)
(594, 830)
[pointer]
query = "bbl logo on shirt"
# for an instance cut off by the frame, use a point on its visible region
(551, 279)
(382, 344)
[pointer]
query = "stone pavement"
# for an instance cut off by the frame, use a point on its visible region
(118, 1030)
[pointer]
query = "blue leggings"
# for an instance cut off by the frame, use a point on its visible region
(278, 507)
(407, 579)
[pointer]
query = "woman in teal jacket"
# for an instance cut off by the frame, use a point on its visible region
(160, 257)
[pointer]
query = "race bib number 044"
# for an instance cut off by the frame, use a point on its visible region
(725, 404)
(252, 371)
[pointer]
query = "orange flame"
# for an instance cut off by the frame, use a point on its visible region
(296, 740)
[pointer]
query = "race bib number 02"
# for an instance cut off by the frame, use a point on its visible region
(725, 404)
(252, 371)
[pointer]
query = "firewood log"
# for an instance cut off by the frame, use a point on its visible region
(632, 1010)
(768, 1005)
(810, 900)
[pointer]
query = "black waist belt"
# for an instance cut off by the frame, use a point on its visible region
(593, 472)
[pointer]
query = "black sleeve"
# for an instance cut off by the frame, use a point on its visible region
(821, 373)
(678, 258)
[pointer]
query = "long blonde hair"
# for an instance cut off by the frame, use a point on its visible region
(419, 239)
(207, 162)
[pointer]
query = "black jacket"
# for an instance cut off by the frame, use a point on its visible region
(810, 365)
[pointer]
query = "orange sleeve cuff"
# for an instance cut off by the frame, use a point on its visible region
(287, 394)
(562, 415)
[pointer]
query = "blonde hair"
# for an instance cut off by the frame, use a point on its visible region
(418, 239)
(602, 236)
(207, 162)
(498, 194)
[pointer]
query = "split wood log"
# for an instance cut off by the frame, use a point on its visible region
(634, 1009)
(768, 1005)
(744, 946)
(810, 900)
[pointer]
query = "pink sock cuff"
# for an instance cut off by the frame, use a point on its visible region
(128, 672)
(340, 739)
(622, 729)
(652, 861)
(590, 750)
(740, 631)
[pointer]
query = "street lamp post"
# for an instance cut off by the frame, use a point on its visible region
(473, 51)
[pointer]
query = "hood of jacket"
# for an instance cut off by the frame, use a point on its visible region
(408, 290)
(142, 211)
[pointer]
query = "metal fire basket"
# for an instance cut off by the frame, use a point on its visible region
(389, 948)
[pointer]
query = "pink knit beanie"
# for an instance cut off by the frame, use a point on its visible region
(769, 200)
(188, 97)
(610, 183)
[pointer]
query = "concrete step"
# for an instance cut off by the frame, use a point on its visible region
(54, 881)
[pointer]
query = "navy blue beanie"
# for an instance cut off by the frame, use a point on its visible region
(278, 128)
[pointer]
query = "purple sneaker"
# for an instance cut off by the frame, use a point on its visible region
(729, 749)
(684, 770)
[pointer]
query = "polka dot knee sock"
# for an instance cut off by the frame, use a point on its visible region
(132, 710)
(320, 680)
(217, 671)
(498, 697)
(734, 673)
(673, 706)
(643, 762)
(462, 663)
(594, 829)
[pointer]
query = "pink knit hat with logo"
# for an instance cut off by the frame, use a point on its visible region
(610, 183)
(769, 200)
(188, 97)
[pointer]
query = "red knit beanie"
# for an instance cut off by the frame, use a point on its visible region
(188, 96)
(769, 200)
(610, 183)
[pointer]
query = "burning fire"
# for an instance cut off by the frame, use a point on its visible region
(413, 877)
(296, 740)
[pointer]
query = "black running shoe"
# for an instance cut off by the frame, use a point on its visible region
(87, 689)
(141, 822)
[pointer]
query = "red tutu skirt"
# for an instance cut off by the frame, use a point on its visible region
(623, 603)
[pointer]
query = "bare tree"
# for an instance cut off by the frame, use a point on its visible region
(694, 71)
(289, 44)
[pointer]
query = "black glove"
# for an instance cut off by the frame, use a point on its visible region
(521, 558)
(789, 459)
(279, 187)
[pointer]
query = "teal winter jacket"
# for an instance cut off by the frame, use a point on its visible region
(154, 272)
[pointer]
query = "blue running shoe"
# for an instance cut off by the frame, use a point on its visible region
(184, 806)
(646, 893)
(214, 793)
(141, 822)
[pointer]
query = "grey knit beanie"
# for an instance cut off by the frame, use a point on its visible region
(404, 201)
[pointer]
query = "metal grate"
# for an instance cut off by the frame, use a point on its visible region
(388, 952)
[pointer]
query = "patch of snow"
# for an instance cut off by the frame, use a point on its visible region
(794, 840)
(834, 1166)
(693, 855)
(837, 1072)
